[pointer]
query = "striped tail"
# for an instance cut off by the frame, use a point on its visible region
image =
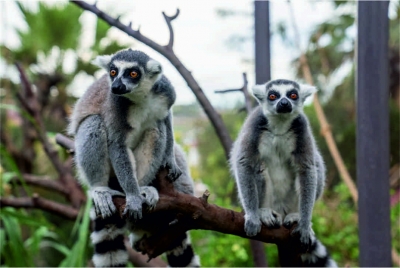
(183, 255)
(108, 241)
(318, 256)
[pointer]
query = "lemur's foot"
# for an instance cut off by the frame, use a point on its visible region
(306, 235)
(291, 219)
(150, 196)
(252, 224)
(133, 207)
(270, 218)
(174, 172)
(102, 200)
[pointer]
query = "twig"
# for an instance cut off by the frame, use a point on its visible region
(212, 114)
(65, 142)
(42, 181)
(40, 203)
(168, 19)
(244, 90)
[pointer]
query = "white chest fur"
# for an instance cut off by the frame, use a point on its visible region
(279, 171)
(144, 115)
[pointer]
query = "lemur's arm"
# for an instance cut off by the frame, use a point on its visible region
(307, 173)
(174, 170)
(124, 165)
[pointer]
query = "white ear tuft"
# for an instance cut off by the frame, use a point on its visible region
(307, 90)
(102, 61)
(259, 92)
(154, 67)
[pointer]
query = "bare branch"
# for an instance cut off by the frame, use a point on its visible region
(244, 90)
(210, 111)
(41, 203)
(65, 142)
(42, 181)
(168, 19)
(76, 195)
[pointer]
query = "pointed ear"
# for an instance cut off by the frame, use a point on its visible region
(259, 92)
(153, 67)
(102, 61)
(307, 90)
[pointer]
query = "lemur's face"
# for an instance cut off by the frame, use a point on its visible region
(282, 96)
(130, 72)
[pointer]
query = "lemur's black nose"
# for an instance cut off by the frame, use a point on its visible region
(284, 106)
(284, 102)
(118, 87)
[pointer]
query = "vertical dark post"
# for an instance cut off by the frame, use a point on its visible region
(373, 133)
(262, 42)
(263, 74)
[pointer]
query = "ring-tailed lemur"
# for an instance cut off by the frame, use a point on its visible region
(277, 166)
(123, 135)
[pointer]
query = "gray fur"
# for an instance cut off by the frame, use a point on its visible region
(123, 127)
(275, 161)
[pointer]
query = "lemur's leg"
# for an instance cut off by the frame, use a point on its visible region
(268, 216)
(170, 162)
(149, 154)
(108, 241)
(91, 157)
(183, 255)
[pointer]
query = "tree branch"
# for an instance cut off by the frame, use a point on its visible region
(215, 118)
(247, 98)
(168, 19)
(40, 203)
(31, 104)
(42, 181)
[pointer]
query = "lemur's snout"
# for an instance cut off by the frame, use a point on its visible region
(284, 106)
(118, 87)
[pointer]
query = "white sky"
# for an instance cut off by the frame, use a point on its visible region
(200, 38)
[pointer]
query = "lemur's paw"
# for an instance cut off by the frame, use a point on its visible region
(150, 196)
(102, 200)
(133, 207)
(306, 235)
(290, 220)
(270, 218)
(252, 225)
(174, 172)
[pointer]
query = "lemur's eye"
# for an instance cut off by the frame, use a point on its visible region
(113, 72)
(134, 74)
(293, 96)
(272, 97)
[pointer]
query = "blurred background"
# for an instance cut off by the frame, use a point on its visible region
(54, 42)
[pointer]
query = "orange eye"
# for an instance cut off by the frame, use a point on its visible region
(272, 97)
(293, 96)
(113, 72)
(134, 74)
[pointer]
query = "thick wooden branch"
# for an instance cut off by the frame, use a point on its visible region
(40, 203)
(213, 115)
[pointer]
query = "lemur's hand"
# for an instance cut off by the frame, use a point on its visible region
(252, 224)
(306, 235)
(174, 172)
(102, 200)
(133, 206)
(150, 196)
(270, 218)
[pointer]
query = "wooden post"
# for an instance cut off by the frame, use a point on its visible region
(373, 133)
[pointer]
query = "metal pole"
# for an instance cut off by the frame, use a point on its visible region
(263, 74)
(373, 133)
(262, 42)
